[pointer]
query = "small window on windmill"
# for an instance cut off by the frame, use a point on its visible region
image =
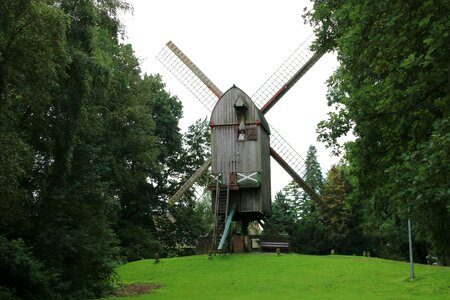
(241, 111)
(242, 136)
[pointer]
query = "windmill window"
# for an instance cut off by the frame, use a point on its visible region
(241, 135)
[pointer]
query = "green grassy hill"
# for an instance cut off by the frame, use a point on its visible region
(267, 276)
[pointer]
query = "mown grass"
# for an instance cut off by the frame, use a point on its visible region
(291, 276)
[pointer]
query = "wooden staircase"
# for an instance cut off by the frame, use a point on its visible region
(221, 208)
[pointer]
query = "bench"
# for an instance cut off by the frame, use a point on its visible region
(274, 245)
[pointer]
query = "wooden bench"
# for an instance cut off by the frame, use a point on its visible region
(274, 245)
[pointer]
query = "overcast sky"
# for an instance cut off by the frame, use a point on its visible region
(237, 42)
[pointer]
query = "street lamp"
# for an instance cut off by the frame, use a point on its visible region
(411, 262)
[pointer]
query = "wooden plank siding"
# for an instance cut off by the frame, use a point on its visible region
(265, 166)
(230, 155)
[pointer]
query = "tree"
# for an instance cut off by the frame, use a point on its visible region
(308, 233)
(75, 202)
(313, 171)
(334, 210)
(33, 56)
(78, 134)
(284, 210)
(181, 224)
(146, 143)
(314, 178)
(22, 275)
(392, 91)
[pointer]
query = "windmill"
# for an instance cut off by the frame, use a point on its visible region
(242, 140)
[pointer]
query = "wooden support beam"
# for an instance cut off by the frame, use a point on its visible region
(294, 175)
(190, 182)
(227, 227)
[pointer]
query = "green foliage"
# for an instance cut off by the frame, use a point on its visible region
(196, 146)
(392, 91)
(137, 242)
(180, 225)
(86, 146)
(314, 178)
(284, 213)
(21, 275)
(313, 172)
(334, 211)
(309, 236)
(296, 213)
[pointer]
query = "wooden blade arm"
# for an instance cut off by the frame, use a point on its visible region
(203, 78)
(291, 82)
(190, 182)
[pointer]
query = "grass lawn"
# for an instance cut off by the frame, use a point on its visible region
(290, 276)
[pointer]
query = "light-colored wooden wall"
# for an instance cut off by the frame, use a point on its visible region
(231, 155)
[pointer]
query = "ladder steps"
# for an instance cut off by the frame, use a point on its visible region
(220, 208)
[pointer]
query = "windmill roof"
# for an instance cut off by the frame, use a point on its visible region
(260, 115)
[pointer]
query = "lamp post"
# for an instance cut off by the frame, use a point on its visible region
(411, 262)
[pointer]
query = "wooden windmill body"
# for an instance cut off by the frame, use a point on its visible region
(242, 140)
(240, 149)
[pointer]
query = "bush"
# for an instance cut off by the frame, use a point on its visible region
(137, 242)
(22, 275)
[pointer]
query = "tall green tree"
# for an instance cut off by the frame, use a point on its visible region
(392, 90)
(284, 210)
(80, 130)
(146, 159)
(180, 225)
(308, 235)
(334, 210)
(33, 56)
(76, 204)
(314, 178)
(313, 171)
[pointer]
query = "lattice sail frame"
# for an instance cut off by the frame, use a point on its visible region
(284, 73)
(189, 75)
(199, 191)
(207, 93)
(287, 152)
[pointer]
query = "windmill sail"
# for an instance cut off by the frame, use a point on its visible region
(189, 75)
(190, 182)
(292, 69)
